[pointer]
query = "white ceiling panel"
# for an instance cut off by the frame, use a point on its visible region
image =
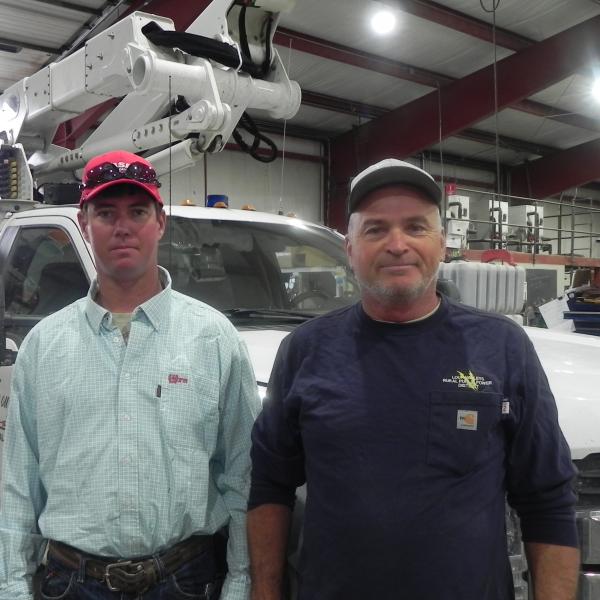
(535, 129)
(39, 23)
(345, 81)
(535, 19)
(326, 120)
(14, 67)
(573, 95)
(476, 151)
(416, 42)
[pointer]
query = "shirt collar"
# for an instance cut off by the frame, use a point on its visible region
(155, 309)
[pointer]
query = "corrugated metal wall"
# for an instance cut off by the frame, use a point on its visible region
(247, 181)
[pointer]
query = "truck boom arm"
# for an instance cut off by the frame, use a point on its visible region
(122, 61)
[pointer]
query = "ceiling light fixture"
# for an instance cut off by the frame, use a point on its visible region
(10, 48)
(383, 22)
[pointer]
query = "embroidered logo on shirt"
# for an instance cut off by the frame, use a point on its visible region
(466, 419)
(173, 378)
(467, 380)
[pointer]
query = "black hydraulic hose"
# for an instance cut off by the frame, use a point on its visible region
(227, 55)
(248, 124)
(201, 46)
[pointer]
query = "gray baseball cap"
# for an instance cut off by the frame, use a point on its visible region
(388, 172)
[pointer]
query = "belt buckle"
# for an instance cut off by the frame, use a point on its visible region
(107, 569)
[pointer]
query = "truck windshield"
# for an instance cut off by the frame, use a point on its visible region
(262, 266)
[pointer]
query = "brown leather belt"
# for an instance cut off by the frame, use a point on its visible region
(131, 576)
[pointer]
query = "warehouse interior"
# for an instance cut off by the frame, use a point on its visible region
(460, 342)
(495, 98)
(489, 96)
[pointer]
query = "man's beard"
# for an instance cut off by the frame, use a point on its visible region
(396, 295)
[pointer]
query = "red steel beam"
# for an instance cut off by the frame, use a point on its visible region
(557, 172)
(351, 56)
(416, 125)
(369, 111)
(69, 132)
(182, 13)
(453, 19)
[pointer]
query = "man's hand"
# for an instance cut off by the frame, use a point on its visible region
(268, 528)
(555, 571)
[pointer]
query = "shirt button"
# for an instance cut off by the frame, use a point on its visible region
(126, 417)
(127, 375)
(116, 339)
(126, 460)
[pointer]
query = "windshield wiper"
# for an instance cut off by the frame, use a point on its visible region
(267, 313)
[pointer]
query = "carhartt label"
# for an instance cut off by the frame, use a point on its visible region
(466, 419)
(505, 407)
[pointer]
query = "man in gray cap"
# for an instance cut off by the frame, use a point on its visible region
(410, 418)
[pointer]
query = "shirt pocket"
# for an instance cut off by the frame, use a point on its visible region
(461, 427)
(189, 409)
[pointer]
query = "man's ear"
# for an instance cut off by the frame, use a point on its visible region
(443, 245)
(82, 218)
(162, 222)
(348, 245)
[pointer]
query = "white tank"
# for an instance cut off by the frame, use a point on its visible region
(502, 283)
(492, 286)
(488, 286)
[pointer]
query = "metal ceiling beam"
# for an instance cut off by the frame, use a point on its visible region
(453, 19)
(368, 111)
(557, 172)
(29, 46)
(342, 105)
(372, 62)
(297, 131)
(183, 14)
(518, 76)
(87, 10)
(556, 114)
(310, 44)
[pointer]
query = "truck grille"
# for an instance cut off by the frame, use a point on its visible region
(588, 482)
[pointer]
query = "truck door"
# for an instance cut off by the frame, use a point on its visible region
(41, 272)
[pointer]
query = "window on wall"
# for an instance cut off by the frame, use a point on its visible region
(43, 274)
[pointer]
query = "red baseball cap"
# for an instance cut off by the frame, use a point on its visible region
(116, 168)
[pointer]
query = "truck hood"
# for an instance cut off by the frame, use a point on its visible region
(571, 362)
(262, 346)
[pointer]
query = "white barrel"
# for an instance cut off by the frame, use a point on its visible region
(487, 286)
(466, 276)
(520, 288)
(492, 287)
(501, 284)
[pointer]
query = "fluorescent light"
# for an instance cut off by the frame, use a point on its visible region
(596, 90)
(12, 49)
(383, 22)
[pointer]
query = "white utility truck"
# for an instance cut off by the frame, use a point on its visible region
(267, 273)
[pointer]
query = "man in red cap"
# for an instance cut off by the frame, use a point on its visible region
(129, 428)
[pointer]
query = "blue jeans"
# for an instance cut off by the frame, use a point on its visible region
(196, 580)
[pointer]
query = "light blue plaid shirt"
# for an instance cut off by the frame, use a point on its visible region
(121, 449)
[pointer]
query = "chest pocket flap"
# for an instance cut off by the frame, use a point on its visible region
(462, 425)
